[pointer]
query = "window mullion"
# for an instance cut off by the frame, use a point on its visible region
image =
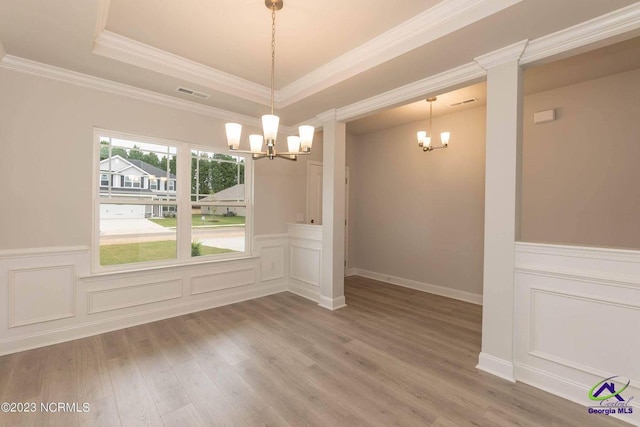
(183, 193)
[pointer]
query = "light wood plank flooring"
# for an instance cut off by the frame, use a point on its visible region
(393, 357)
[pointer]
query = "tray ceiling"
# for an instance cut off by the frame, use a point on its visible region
(331, 54)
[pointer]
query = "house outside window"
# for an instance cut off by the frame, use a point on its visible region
(162, 222)
(104, 180)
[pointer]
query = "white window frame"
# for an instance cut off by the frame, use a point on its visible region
(132, 182)
(182, 203)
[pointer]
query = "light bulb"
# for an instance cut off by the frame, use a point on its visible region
(234, 130)
(294, 144)
(255, 141)
(421, 136)
(444, 137)
(306, 137)
(270, 126)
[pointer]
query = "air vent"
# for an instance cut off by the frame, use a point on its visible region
(464, 102)
(193, 93)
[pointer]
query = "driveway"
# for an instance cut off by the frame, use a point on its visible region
(130, 230)
(120, 226)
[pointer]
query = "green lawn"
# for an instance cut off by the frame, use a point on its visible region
(196, 220)
(147, 251)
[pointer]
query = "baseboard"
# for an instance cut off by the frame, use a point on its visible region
(49, 337)
(332, 303)
(496, 366)
(420, 286)
(304, 291)
(566, 389)
(350, 272)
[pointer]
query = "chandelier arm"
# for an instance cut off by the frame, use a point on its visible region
(292, 157)
(295, 153)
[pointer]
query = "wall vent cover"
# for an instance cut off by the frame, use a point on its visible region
(464, 102)
(192, 92)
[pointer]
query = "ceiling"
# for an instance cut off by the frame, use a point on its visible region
(330, 54)
(594, 64)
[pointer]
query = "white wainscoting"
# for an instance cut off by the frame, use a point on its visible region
(272, 249)
(577, 319)
(48, 295)
(305, 260)
(30, 302)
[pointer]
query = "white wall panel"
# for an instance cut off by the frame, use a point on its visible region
(135, 295)
(305, 264)
(272, 262)
(222, 280)
(571, 329)
(305, 260)
(577, 312)
(41, 294)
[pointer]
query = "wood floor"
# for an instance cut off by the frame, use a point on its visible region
(392, 357)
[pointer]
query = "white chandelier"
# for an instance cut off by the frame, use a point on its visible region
(424, 141)
(297, 145)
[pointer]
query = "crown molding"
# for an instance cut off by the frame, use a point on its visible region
(442, 19)
(412, 91)
(600, 28)
(438, 21)
(509, 53)
(115, 46)
(327, 116)
(55, 73)
(103, 14)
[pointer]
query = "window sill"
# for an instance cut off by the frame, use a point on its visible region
(164, 268)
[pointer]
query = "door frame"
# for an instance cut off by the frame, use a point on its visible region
(346, 208)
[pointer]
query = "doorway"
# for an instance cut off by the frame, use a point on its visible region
(314, 201)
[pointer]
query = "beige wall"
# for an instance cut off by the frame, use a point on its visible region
(581, 172)
(418, 215)
(46, 136)
(281, 190)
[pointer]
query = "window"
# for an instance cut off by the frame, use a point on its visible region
(149, 216)
(218, 203)
(131, 181)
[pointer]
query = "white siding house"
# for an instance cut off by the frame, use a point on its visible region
(128, 178)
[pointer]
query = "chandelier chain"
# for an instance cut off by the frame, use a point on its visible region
(430, 115)
(273, 53)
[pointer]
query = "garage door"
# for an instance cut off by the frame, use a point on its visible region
(121, 211)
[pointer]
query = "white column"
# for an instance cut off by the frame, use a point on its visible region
(333, 211)
(503, 151)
